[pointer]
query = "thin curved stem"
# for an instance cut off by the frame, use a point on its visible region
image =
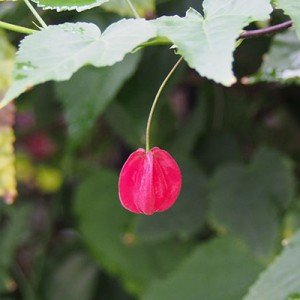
(16, 28)
(155, 102)
(136, 14)
(35, 13)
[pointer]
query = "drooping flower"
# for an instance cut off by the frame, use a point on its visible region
(149, 181)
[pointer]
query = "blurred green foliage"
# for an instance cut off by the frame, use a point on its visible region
(67, 236)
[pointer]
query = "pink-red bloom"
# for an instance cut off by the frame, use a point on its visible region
(149, 181)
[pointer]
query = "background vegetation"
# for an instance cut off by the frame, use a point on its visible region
(67, 236)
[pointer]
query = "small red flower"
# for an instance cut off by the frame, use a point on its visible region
(149, 181)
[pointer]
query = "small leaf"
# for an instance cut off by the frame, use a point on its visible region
(207, 42)
(59, 51)
(292, 9)
(222, 269)
(61, 5)
(281, 280)
(246, 199)
(282, 63)
(86, 95)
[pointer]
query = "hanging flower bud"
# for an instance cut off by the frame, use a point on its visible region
(149, 181)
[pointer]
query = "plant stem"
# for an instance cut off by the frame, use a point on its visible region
(155, 102)
(265, 31)
(136, 15)
(16, 28)
(35, 13)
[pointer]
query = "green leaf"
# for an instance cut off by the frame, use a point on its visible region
(282, 62)
(143, 7)
(292, 9)
(61, 5)
(103, 224)
(281, 280)
(207, 43)
(245, 200)
(86, 95)
(221, 269)
(75, 278)
(188, 214)
(59, 51)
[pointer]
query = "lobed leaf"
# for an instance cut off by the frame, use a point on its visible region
(59, 51)
(207, 42)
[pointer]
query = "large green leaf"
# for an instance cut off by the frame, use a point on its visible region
(245, 200)
(143, 7)
(188, 214)
(61, 5)
(282, 279)
(89, 91)
(292, 9)
(207, 43)
(57, 52)
(282, 63)
(219, 270)
(104, 226)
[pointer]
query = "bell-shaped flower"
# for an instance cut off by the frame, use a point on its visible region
(149, 181)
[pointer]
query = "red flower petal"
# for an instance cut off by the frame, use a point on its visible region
(149, 181)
